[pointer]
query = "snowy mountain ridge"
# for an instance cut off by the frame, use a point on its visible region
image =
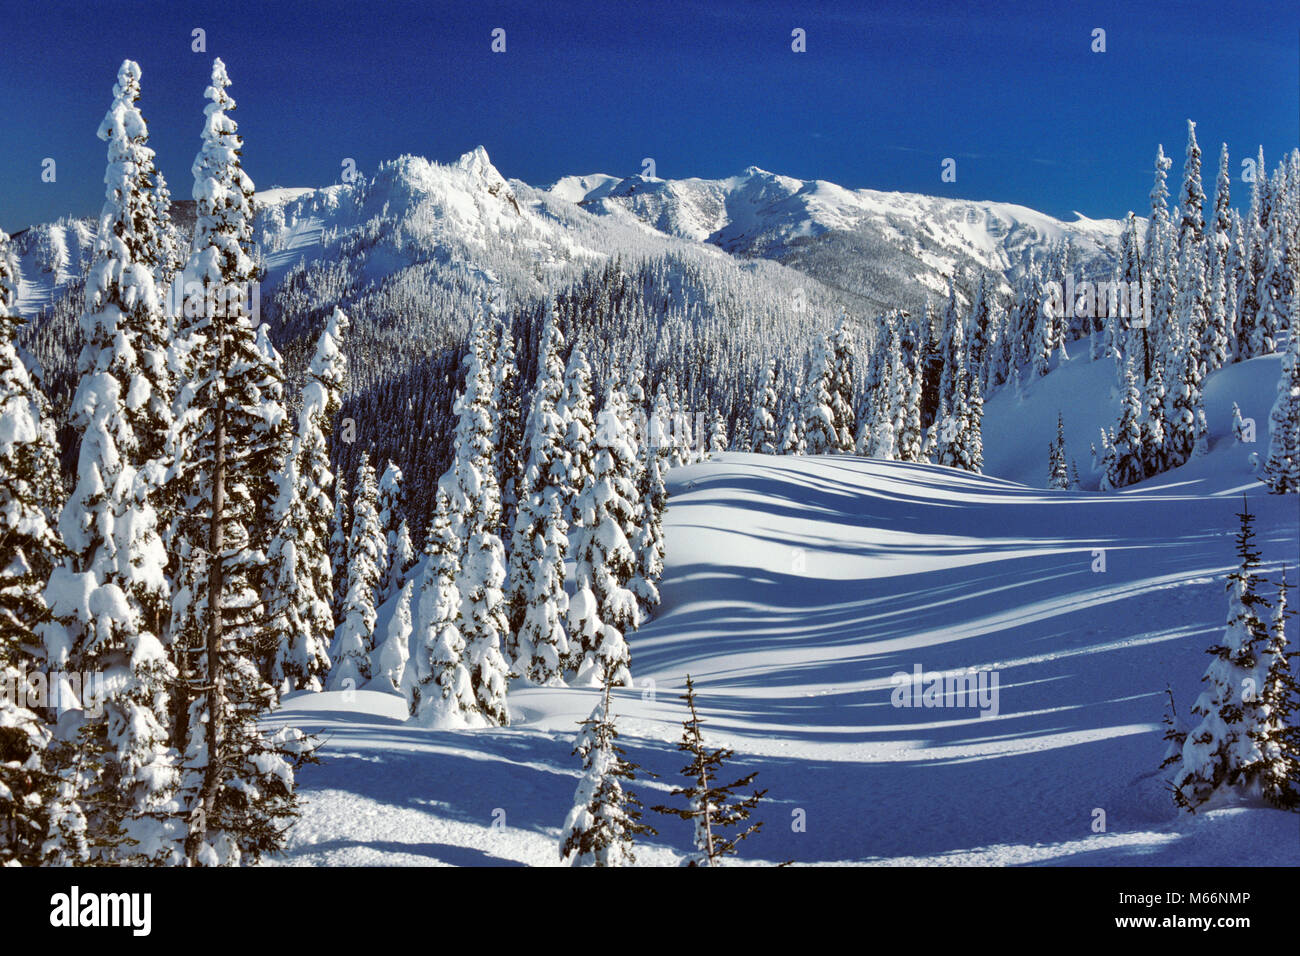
(888, 249)
(758, 213)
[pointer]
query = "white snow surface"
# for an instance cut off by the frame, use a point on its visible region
(794, 589)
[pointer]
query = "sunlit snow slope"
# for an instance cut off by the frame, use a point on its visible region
(795, 588)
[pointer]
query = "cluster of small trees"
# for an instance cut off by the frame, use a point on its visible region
(602, 827)
(186, 570)
(1246, 740)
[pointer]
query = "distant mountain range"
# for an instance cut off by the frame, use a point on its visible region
(870, 250)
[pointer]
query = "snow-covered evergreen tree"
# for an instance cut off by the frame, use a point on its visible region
(1282, 467)
(484, 625)
(302, 619)
(843, 356)
(792, 442)
(542, 643)
(109, 599)
(1156, 261)
(576, 410)
(605, 821)
(1278, 735)
(238, 785)
(508, 431)
(603, 610)
(1124, 462)
(1058, 475)
(648, 542)
(1152, 458)
(398, 554)
(441, 695)
(355, 636)
(817, 415)
(763, 431)
(389, 660)
(29, 548)
(1221, 754)
(545, 476)
(472, 481)
(340, 530)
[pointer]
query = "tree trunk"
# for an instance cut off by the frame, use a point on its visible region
(215, 677)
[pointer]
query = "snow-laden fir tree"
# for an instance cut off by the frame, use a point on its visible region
(979, 327)
(484, 625)
(302, 618)
(122, 285)
(1124, 443)
(792, 442)
(170, 252)
(1216, 337)
(355, 636)
(398, 555)
(275, 443)
(1254, 262)
(843, 355)
(817, 415)
(1282, 467)
(711, 807)
(1191, 203)
(912, 435)
(389, 660)
(1184, 402)
(238, 783)
(1272, 291)
(603, 609)
(1278, 734)
(1045, 336)
(890, 400)
(575, 409)
(340, 531)
(508, 437)
(441, 695)
(1058, 475)
(763, 431)
(109, 598)
(472, 481)
(952, 354)
(542, 643)
(718, 440)
(1152, 456)
(1156, 265)
(29, 548)
(959, 441)
(626, 463)
(648, 542)
(1221, 754)
(974, 435)
(475, 508)
(545, 476)
(605, 821)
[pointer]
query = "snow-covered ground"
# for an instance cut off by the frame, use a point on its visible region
(795, 588)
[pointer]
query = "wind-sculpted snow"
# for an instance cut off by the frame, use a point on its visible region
(796, 590)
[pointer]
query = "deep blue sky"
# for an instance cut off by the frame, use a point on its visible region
(885, 91)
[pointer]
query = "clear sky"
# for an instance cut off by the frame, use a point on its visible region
(886, 90)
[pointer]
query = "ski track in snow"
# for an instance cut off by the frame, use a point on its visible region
(794, 589)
